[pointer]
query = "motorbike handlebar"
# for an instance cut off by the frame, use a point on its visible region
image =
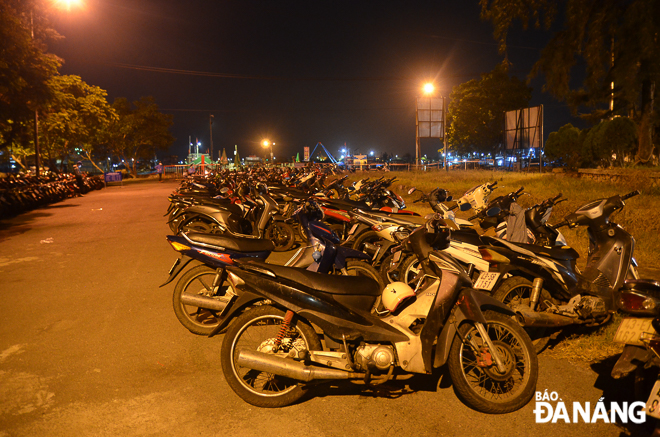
(629, 195)
(491, 186)
(560, 224)
(517, 193)
(556, 198)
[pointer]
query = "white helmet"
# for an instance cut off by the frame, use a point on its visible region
(395, 293)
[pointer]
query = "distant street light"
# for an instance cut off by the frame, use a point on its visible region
(265, 144)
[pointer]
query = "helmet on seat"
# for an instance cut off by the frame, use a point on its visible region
(395, 294)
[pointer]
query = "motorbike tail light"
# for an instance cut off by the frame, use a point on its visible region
(178, 246)
(634, 302)
(492, 256)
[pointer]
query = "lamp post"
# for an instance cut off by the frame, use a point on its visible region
(427, 90)
(266, 143)
(211, 135)
(430, 119)
(37, 153)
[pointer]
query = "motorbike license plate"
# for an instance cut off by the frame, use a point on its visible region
(653, 403)
(486, 281)
(632, 329)
(353, 228)
(176, 263)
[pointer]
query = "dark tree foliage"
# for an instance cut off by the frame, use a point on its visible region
(138, 131)
(475, 113)
(606, 41)
(25, 70)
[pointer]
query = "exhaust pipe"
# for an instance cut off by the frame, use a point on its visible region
(526, 317)
(205, 302)
(290, 368)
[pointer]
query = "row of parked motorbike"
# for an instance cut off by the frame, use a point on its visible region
(20, 193)
(375, 292)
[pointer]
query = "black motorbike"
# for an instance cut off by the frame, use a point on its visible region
(271, 355)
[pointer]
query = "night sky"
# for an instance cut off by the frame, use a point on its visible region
(295, 72)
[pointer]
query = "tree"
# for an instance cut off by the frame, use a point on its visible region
(567, 146)
(476, 110)
(25, 71)
(611, 141)
(617, 42)
(139, 130)
(76, 120)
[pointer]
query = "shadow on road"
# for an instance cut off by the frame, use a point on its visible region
(405, 385)
(623, 390)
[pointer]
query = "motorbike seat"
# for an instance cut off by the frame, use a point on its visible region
(564, 253)
(325, 283)
(557, 252)
(237, 244)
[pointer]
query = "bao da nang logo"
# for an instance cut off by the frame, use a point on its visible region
(551, 409)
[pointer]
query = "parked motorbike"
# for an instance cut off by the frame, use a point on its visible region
(261, 219)
(545, 281)
(639, 331)
(270, 353)
(202, 296)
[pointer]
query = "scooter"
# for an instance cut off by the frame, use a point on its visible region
(270, 353)
(545, 281)
(261, 220)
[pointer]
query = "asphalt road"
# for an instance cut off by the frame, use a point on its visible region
(90, 346)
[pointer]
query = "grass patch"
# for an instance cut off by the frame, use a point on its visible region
(582, 345)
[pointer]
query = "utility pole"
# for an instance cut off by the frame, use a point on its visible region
(211, 135)
(37, 153)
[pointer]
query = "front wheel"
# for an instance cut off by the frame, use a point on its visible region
(282, 235)
(261, 329)
(476, 378)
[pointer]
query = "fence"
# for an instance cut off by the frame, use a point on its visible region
(181, 171)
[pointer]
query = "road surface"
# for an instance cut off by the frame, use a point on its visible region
(90, 346)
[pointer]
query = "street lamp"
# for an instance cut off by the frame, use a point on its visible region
(265, 144)
(37, 152)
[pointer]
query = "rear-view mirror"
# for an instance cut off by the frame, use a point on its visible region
(493, 211)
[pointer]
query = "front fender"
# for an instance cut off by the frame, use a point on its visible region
(344, 253)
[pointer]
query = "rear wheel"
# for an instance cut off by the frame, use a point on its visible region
(258, 330)
(197, 224)
(198, 281)
(476, 378)
(517, 291)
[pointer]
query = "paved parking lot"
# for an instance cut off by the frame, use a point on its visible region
(90, 346)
